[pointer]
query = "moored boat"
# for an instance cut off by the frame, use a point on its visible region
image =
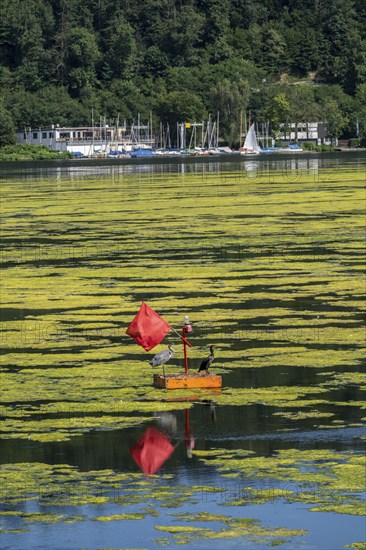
(251, 146)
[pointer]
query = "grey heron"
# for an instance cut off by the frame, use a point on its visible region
(206, 363)
(162, 357)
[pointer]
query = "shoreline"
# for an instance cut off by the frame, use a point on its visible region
(61, 156)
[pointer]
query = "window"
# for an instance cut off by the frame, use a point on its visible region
(44, 135)
(25, 135)
(50, 134)
(35, 135)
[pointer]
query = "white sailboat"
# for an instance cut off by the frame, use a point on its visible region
(251, 146)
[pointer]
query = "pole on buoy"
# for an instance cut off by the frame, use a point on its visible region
(186, 329)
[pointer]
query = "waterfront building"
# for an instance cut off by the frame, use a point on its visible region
(301, 132)
(89, 141)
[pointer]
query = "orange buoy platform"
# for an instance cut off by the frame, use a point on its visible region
(183, 381)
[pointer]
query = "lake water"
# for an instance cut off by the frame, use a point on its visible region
(265, 255)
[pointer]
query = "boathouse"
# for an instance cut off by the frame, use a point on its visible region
(301, 132)
(89, 141)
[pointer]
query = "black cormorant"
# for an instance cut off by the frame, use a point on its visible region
(206, 363)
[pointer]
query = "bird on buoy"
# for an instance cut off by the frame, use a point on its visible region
(206, 363)
(162, 357)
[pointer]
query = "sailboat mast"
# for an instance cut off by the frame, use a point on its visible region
(241, 127)
(151, 130)
(217, 129)
(93, 131)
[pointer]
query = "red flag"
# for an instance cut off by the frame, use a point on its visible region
(148, 329)
(151, 450)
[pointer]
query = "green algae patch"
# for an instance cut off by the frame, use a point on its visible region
(331, 480)
(357, 545)
(276, 396)
(234, 528)
(180, 539)
(273, 278)
(38, 517)
(352, 509)
(57, 485)
(206, 489)
(162, 541)
(74, 281)
(61, 485)
(10, 513)
(201, 516)
(120, 517)
(345, 379)
(180, 529)
(302, 415)
(47, 430)
(208, 452)
(96, 399)
(260, 496)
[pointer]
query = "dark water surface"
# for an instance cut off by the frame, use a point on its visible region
(76, 168)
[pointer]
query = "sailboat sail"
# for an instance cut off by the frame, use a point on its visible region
(251, 143)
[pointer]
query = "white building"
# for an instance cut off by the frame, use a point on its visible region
(301, 132)
(89, 141)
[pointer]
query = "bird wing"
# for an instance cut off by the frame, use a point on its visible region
(161, 357)
(203, 365)
(155, 361)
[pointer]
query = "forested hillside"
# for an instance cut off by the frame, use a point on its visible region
(182, 59)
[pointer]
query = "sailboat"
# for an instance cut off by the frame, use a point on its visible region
(251, 146)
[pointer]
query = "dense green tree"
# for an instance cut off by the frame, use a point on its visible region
(24, 29)
(120, 52)
(303, 107)
(342, 43)
(245, 13)
(302, 45)
(178, 106)
(7, 127)
(334, 119)
(183, 38)
(73, 13)
(129, 100)
(360, 112)
(155, 63)
(81, 60)
(59, 59)
(217, 19)
(51, 105)
(230, 100)
(278, 111)
(217, 29)
(273, 51)
(240, 43)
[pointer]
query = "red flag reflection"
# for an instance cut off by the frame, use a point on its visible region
(151, 450)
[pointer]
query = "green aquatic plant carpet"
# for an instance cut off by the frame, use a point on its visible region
(269, 267)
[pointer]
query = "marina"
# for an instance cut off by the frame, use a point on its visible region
(139, 140)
